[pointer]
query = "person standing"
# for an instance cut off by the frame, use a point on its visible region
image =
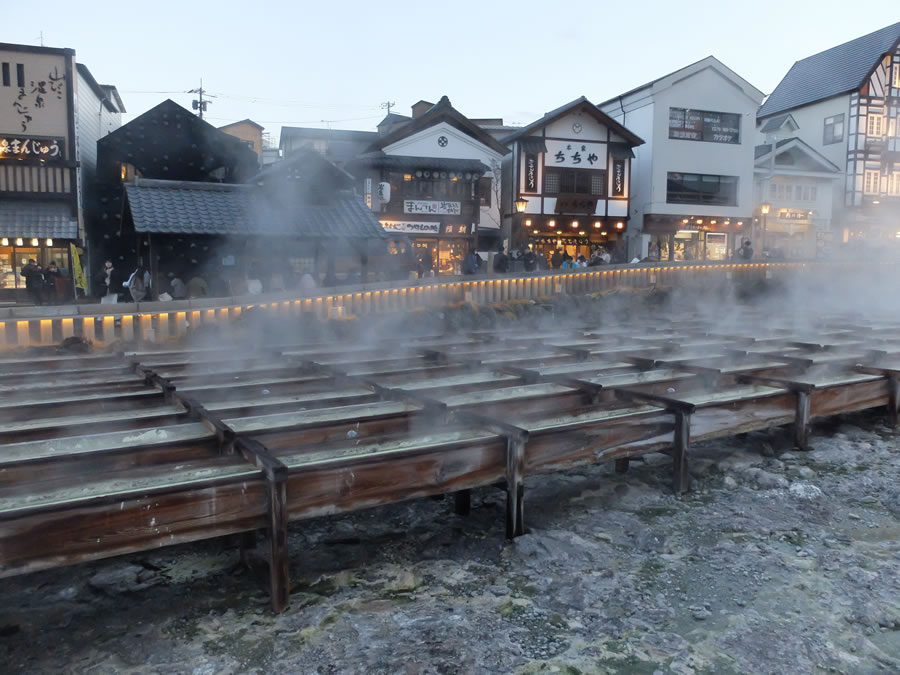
(745, 252)
(34, 281)
(556, 260)
(501, 262)
(51, 283)
(530, 260)
(105, 280)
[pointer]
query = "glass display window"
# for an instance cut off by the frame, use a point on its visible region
(450, 257)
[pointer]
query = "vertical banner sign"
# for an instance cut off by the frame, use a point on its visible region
(618, 177)
(531, 170)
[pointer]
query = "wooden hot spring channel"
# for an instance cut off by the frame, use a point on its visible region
(103, 455)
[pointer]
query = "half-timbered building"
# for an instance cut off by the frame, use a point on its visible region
(846, 103)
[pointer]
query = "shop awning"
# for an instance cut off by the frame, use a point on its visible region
(533, 144)
(37, 219)
(620, 151)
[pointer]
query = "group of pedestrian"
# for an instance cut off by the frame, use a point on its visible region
(44, 286)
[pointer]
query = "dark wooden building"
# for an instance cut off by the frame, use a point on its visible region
(166, 143)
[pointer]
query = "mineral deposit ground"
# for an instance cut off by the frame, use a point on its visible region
(775, 562)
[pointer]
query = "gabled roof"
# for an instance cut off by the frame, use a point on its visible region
(709, 61)
(245, 121)
(184, 207)
(327, 134)
(304, 164)
(775, 123)
(784, 145)
(170, 142)
(394, 118)
(107, 93)
(579, 103)
(441, 111)
(839, 70)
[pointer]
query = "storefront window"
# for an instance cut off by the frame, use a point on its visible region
(450, 257)
(22, 256)
(7, 275)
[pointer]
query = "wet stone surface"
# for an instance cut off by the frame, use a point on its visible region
(776, 562)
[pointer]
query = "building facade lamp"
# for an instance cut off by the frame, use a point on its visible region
(19, 241)
(574, 224)
(765, 208)
(620, 226)
(552, 223)
(528, 223)
(4, 242)
(597, 225)
(521, 205)
(49, 242)
(35, 242)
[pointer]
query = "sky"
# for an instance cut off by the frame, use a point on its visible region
(332, 63)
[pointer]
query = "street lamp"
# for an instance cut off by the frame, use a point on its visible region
(521, 204)
(764, 210)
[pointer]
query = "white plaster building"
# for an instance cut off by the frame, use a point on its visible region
(692, 180)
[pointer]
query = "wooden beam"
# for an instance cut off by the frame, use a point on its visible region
(515, 487)
(681, 475)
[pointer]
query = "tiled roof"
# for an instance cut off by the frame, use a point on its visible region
(580, 102)
(44, 220)
(178, 207)
(774, 123)
(804, 147)
(835, 71)
(408, 163)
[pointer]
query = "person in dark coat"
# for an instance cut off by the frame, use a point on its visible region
(745, 252)
(425, 264)
(501, 262)
(34, 281)
(51, 283)
(105, 280)
(556, 260)
(530, 260)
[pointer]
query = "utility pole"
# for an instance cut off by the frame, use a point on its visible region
(387, 105)
(199, 105)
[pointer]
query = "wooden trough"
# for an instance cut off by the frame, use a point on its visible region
(102, 455)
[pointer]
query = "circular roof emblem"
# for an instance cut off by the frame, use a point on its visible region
(442, 141)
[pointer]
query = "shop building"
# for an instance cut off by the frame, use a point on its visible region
(429, 179)
(795, 188)
(571, 169)
(52, 112)
(693, 178)
(845, 102)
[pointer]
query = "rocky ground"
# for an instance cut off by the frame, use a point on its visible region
(776, 562)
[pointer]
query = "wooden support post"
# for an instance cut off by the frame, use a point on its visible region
(515, 487)
(463, 499)
(801, 422)
(276, 475)
(622, 465)
(893, 401)
(279, 572)
(681, 479)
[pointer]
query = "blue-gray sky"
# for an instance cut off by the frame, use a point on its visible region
(331, 63)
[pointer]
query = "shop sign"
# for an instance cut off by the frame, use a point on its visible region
(576, 204)
(38, 148)
(704, 125)
(456, 229)
(407, 226)
(432, 207)
(618, 177)
(531, 172)
(576, 155)
(793, 215)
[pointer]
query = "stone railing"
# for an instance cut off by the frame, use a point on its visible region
(161, 322)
